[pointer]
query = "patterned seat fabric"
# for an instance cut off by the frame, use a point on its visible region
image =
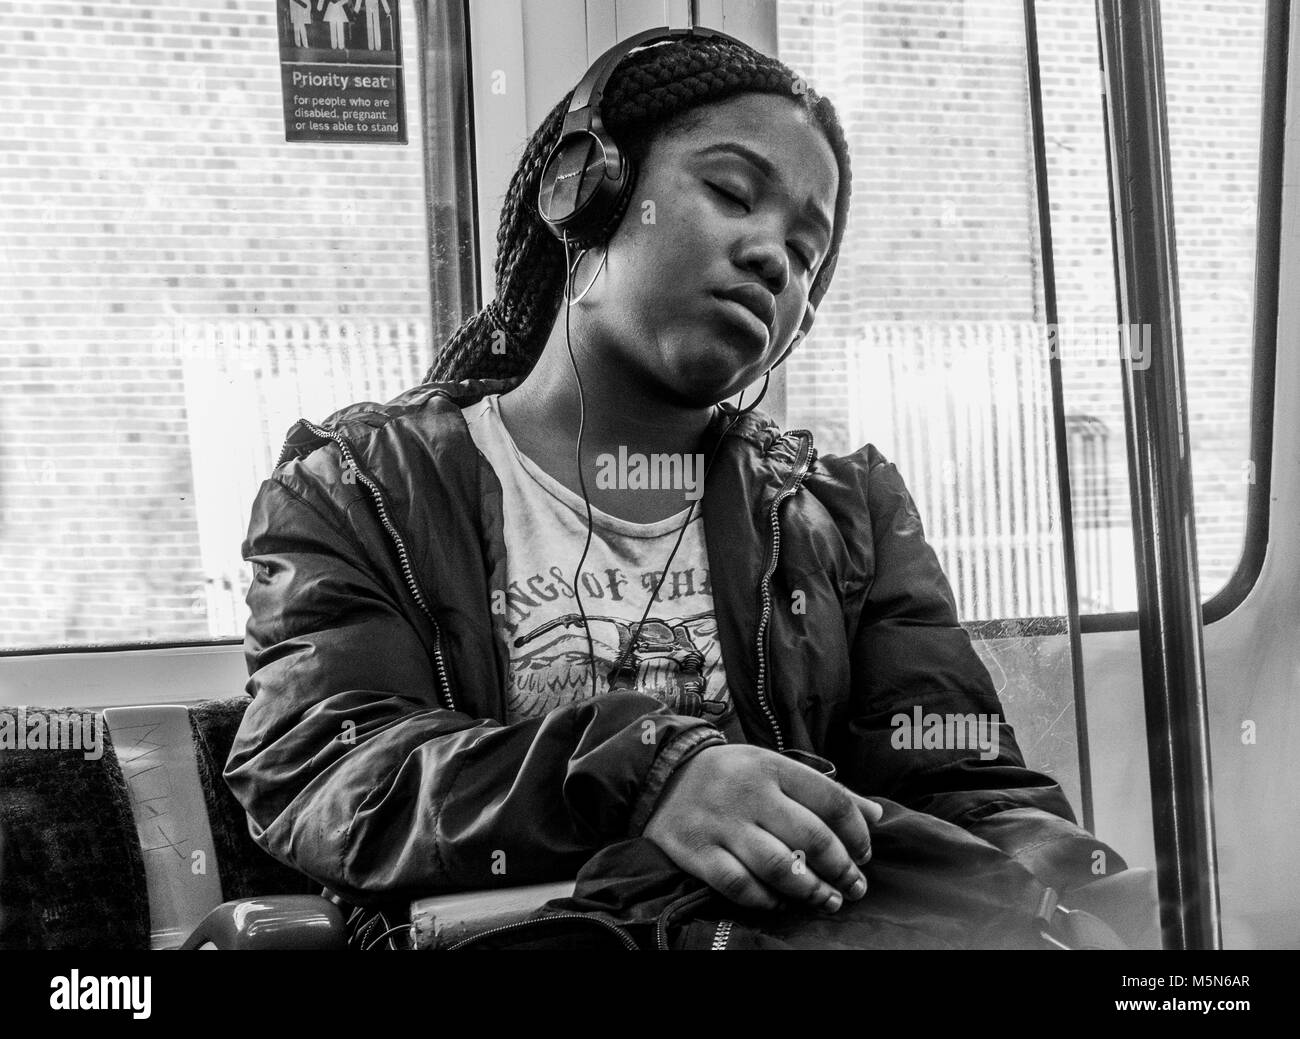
(71, 873)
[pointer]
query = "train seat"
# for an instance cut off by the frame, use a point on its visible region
(245, 869)
(141, 845)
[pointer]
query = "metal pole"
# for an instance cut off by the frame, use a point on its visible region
(1160, 473)
(1060, 438)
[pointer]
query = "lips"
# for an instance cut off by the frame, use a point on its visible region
(754, 298)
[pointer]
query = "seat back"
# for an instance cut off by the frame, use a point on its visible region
(193, 833)
(71, 871)
(131, 847)
(156, 750)
(246, 870)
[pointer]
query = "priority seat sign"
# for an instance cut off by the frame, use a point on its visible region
(341, 71)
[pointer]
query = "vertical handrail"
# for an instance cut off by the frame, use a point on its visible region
(1160, 475)
(1066, 557)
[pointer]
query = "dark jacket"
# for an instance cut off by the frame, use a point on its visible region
(373, 757)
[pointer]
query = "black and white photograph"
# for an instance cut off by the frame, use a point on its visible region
(649, 475)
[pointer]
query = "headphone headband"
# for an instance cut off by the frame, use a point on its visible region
(591, 90)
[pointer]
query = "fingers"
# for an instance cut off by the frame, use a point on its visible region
(786, 871)
(729, 876)
(822, 851)
(870, 809)
(755, 868)
(706, 858)
(833, 803)
(754, 825)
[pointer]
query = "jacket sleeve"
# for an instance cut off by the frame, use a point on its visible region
(910, 651)
(351, 770)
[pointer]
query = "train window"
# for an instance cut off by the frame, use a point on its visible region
(181, 285)
(172, 264)
(1215, 126)
(933, 343)
(1213, 62)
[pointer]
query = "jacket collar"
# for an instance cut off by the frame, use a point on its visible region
(432, 402)
(755, 427)
(432, 410)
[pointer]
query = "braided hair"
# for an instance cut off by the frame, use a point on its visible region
(655, 92)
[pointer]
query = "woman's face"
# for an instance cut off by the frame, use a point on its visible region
(656, 306)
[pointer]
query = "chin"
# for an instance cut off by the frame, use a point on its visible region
(707, 377)
(698, 390)
(693, 394)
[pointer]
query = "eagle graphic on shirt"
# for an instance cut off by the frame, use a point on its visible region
(670, 659)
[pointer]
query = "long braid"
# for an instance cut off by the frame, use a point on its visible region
(654, 91)
(529, 272)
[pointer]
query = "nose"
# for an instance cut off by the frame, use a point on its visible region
(767, 259)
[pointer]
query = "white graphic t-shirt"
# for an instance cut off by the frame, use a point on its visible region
(675, 657)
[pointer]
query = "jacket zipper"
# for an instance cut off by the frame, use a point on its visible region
(721, 936)
(329, 434)
(802, 464)
(628, 941)
(685, 902)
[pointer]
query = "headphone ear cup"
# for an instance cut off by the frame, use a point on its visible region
(587, 182)
(585, 188)
(606, 225)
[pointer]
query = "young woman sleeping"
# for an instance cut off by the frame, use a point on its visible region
(477, 658)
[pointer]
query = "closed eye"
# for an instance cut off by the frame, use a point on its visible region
(728, 195)
(805, 260)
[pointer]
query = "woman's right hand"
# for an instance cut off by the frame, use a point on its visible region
(760, 828)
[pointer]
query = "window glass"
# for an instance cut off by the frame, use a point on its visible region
(1213, 58)
(932, 343)
(179, 285)
(1214, 62)
(929, 344)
